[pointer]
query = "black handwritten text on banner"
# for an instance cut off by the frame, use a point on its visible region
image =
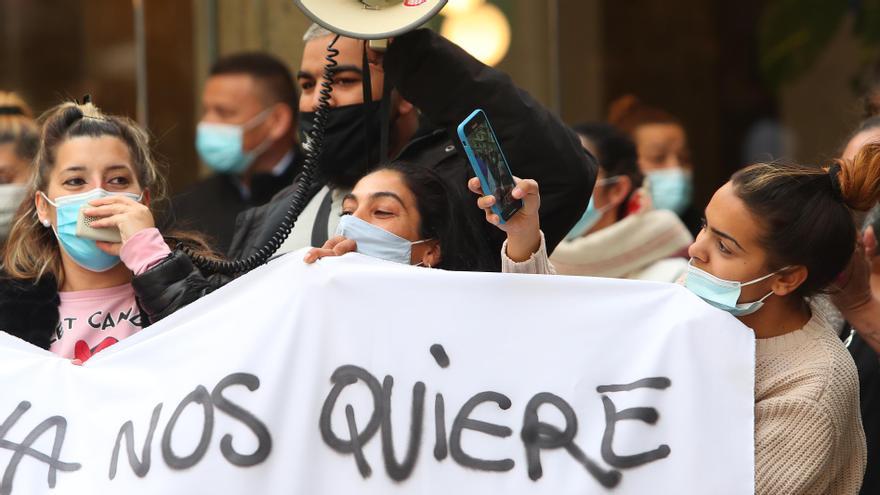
(360, 376)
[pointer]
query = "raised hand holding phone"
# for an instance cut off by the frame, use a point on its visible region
(524, 227)
(489, 163)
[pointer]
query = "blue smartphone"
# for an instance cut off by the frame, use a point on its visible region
(489, 164)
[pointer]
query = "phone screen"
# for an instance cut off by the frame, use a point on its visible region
(492, 165)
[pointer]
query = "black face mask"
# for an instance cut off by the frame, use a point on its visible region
(351, 142)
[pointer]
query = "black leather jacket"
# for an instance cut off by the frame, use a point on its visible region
(29, 310)
(447, 84)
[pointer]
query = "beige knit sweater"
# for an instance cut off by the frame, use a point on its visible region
(808, 429)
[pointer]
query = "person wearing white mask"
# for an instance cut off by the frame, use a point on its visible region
(774, 237)
(664, 156)
(19, 139)
(247, 138)
(410, 215)
(621, 235)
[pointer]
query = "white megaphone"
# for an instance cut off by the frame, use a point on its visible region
(370, 19)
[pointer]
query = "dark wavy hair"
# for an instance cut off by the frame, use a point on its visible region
(441, 207)
(616, 154)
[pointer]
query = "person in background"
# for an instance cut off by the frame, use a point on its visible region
(774, 237)
(247, 137)
(664, 156)
(868, 131)
(19, 140)
(620, 235)
(76, 296)
(859, 302)
(856, 313)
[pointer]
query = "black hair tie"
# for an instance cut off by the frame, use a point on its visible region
(11, 110)
(834, 175)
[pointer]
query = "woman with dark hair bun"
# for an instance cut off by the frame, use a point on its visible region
(774, 237)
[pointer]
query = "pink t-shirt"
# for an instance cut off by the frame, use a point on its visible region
(92, 320)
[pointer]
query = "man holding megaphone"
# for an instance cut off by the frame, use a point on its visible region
(404, 104)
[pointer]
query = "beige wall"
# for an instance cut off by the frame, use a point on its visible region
(557, 54)
(531, 47)
(275, 26)
(822, 107)
(581, 63)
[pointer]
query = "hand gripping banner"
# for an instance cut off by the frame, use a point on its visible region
(359, 376)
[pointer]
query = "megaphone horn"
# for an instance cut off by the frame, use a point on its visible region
(370, 19)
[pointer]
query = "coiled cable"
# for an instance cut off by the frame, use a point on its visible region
(301, 195)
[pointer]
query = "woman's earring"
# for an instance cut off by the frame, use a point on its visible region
(45, 223)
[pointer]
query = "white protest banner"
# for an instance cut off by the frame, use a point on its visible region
(359, 376)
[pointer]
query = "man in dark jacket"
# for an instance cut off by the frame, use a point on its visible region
(247, 137)
(445, 84)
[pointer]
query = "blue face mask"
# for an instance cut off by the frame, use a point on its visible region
(592, 216)
(83, 251)
(375, 241)
(723, 294)
(671, 189)
(220, 146)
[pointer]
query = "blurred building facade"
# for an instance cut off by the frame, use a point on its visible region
(697, 59)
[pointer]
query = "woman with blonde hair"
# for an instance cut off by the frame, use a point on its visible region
(63, 290)
(19, 139)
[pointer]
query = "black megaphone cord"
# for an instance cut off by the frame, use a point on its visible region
(300, 197)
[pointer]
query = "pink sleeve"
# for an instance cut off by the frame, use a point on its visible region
(144, 250)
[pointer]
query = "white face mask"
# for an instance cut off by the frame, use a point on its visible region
(11, 196)
(724, 294)
(375, 241)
